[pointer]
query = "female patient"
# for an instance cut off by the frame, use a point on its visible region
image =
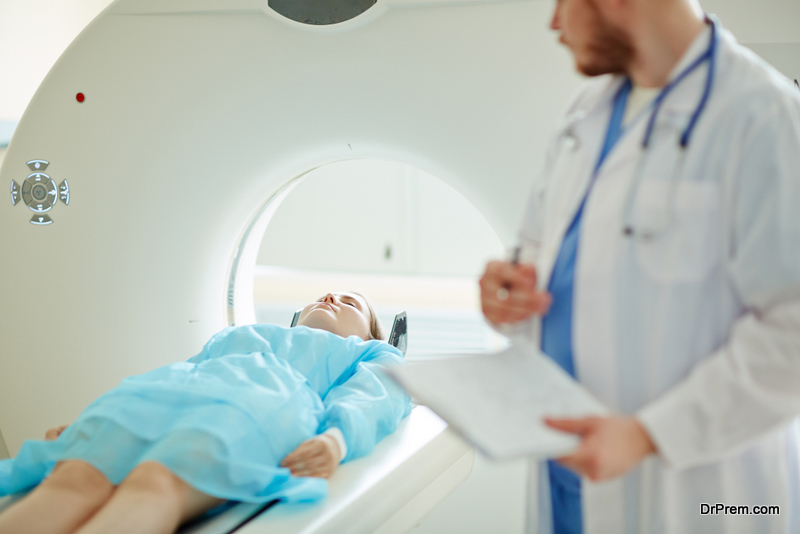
(258, 404)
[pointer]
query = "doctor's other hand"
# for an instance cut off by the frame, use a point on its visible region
(316, 457)
(509, 293)
(53, 433)
(610, 446)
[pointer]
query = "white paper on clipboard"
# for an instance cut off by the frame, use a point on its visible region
(497, 401)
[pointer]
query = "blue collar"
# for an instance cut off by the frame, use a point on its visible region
(615, 129)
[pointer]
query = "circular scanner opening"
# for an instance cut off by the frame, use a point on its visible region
(320, 12)
(402, 237)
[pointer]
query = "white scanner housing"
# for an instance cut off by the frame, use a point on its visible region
(197, 115)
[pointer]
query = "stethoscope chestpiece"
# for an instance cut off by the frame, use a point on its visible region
(644, 235)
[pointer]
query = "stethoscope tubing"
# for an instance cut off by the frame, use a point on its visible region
(629, 228)
(567, 132)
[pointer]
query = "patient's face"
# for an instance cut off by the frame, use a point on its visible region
(344, 314)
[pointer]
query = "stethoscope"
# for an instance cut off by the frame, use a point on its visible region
(629, 227)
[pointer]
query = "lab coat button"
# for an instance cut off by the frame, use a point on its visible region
(41, 220)
(38, 164)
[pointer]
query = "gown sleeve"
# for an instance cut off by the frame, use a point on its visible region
(368, 406)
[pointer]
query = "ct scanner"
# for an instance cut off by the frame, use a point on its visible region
(148, 163)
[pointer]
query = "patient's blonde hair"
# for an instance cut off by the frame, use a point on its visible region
(376, 330)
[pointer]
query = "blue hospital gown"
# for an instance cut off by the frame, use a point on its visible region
(223, 420)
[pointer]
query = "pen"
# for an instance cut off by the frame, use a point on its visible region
(503, 292)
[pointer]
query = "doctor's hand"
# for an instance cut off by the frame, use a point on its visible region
(610, 446)
(509, 293)
(316, 457)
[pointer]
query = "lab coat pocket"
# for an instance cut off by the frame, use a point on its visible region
(685, 230)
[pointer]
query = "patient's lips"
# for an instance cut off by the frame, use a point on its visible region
(325, 304)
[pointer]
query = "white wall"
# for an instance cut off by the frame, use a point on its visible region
(758, 21)
(771, 28)
(783, 56)
(378, 217)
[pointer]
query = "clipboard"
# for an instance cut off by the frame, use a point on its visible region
(497, 402)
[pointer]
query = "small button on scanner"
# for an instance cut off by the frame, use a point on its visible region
(64, 192)
(41, 220)
(14, 193)
(39, 192)
(38, 164)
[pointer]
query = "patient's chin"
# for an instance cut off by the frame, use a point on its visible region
(323, 321)
(318, 321)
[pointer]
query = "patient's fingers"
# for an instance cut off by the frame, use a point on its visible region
(305, 450)
(315, 457)
(323, 470)
(304, 461)
(320, 467)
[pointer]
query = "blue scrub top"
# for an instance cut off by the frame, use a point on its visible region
(565, 485)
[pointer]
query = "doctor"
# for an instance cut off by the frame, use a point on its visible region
(664, 237)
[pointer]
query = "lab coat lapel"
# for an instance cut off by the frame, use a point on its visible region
(583, 132)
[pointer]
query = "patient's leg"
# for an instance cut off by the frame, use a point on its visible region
(61, 503)
(150, 499)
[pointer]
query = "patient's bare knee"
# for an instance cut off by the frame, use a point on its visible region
(154, 478)
(80, 479)
(155, 483)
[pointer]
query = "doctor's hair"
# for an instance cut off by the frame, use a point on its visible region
(376, 330)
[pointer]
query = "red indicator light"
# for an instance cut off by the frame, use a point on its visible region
(80, 97)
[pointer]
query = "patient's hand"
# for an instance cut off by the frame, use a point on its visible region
(53, 433)
(316, 457)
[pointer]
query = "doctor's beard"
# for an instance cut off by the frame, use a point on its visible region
(610, 49)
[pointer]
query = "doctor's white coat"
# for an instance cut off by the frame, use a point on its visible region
(697, 330)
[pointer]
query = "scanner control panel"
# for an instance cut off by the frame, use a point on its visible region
(39, 192)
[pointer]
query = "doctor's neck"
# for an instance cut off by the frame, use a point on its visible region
(661, 32)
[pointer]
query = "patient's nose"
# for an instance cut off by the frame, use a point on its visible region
(330, 297)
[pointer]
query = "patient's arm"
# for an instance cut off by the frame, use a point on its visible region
(368, 406)
(316, 457)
